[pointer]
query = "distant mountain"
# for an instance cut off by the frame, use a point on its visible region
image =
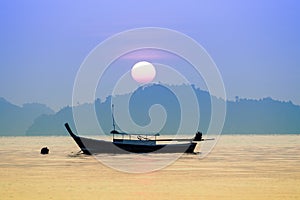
(15, 120)
(51, 124)
(139, 104)
(244, 116)
(54, 124)
(264, 116)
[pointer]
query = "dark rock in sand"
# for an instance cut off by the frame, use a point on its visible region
(44, 150)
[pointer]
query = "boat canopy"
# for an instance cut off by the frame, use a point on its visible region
(122, 133)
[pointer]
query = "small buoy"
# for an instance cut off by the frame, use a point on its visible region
(44, 150)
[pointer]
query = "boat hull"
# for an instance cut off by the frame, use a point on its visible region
(93, 146)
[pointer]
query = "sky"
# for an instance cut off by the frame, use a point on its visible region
(255, 44)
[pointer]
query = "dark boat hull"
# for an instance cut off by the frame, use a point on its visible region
(93, 146)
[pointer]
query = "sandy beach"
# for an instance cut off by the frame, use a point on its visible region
(239, 167)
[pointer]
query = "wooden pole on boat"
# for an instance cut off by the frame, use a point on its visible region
(113, 118)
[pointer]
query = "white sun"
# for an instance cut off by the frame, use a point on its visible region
(143, 72)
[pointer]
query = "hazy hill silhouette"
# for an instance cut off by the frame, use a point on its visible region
(139, 105)
(15, 120)
(264, 116)
(51, 124)
(244, 116)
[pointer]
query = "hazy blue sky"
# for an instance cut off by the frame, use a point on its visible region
(255, 44)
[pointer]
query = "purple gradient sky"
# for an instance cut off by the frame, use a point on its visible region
(255, 44)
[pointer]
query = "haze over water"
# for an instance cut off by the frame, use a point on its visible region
(239, 167)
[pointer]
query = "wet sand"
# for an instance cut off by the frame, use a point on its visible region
(239, 167)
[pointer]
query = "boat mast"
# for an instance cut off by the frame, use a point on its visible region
(113, 118)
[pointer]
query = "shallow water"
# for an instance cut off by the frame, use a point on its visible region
(239, 167)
